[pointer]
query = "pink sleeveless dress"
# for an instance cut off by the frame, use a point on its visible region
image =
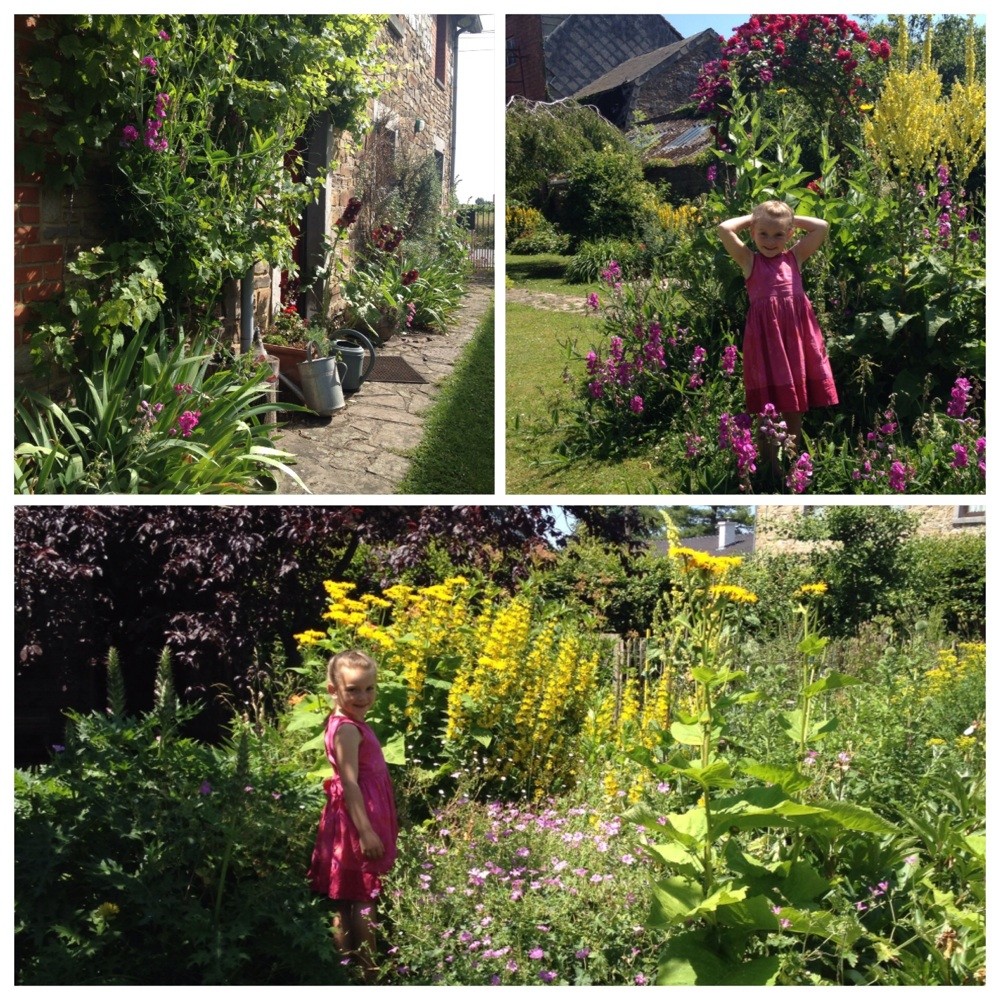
(338, 869)
(784, 356)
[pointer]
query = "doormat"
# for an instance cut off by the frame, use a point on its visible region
(392, 369)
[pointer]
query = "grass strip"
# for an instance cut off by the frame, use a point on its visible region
(455, 454)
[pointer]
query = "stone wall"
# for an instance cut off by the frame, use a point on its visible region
(776, 524)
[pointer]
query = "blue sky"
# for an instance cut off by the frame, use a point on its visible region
(724, 24)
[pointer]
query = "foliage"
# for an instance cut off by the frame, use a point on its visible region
(947, 576)
(828, 62)
(862, 566)
(190, 872)
(90, 576)
(464, 679)
(594, 257)
(190, 116)
(151, 419)
(512, 894)
(544, 140)
(607, 196)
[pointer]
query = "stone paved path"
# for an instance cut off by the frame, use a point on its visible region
(552, 301)
(363, 448)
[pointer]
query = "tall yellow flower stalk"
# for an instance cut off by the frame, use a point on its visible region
(964, 122)
(905, 131)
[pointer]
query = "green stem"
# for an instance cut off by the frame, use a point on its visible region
(223, 871)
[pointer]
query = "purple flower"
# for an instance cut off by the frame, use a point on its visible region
(160, 105)
(974, 236)
(899, 476)
(547, 976)
(942, 172)
(129, 134)
(536, 953)
(981, 446)
(798, 478)
(149, 63)
(959, 398)
(636, 405)
(711, 174)
(583, 953)
(729, 360)
(961, 459)
(58, 747)
(206, 789)
(593, 302)
(944, 199)
(698, 357)
(164, 36)
(188, 421)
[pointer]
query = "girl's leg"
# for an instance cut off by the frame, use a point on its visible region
(354, 933)
(793, 421)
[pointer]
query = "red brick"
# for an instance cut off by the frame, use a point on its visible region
(38, 293)
(27, 194)
(29, 215)
(25, 234)
(39, 253)
(26, 275)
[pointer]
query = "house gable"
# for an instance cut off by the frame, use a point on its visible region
(584, 47)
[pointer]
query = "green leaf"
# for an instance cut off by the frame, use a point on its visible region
(394, 749)
(691, 736)
(688, 961)
(789, 779)
(813, 645)
(831, 682)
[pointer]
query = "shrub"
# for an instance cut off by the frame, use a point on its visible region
(947, 576)
(152, 419)
(142, 858)
(607, 197)
(592, 258)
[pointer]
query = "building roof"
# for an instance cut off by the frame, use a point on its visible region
(677, 138)
(584, 47)
(639, 67)
(742, 546)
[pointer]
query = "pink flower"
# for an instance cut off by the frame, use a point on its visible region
(729, 360)
(899, 476)
(593, 301)
(961, 459)
(149, 63)
(636, 404)
(188, 421)
(959, 398)
(164, 36)
(798, 478)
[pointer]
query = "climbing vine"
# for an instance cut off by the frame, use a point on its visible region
(188, 123)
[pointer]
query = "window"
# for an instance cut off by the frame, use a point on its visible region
(395, 26)
(440, 48)
(969, 515)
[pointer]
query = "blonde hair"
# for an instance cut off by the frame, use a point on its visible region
(779, 211)
(349, 658)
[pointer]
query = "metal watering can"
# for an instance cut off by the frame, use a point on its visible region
(352, 346)
(322, 383)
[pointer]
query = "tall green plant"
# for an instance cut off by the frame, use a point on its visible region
(726, 914)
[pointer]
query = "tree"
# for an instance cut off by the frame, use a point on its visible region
(217, 585)
(704, 520)
(544, 140)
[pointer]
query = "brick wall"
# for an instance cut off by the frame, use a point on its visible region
(525, 76)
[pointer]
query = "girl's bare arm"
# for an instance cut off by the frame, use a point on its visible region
(736, 248)
(816, 232)
(345, 749)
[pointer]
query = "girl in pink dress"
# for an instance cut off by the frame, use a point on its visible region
(784, 356)
(356, 840)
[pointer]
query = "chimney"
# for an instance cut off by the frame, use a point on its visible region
(727, 534)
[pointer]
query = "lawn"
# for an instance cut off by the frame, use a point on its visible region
(538, 392)
(545, 273)
(456, 452)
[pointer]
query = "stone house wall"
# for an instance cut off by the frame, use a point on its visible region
(51, 227)
(670, 86)
(776, 524)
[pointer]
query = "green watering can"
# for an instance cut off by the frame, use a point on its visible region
(354, 349)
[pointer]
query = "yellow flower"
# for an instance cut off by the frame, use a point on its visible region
(811, 589)
(693, 559)
(108, 910)
(738, 594)
(309, 638)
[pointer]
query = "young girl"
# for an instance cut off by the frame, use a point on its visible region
(784, 357)
(356, 840)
